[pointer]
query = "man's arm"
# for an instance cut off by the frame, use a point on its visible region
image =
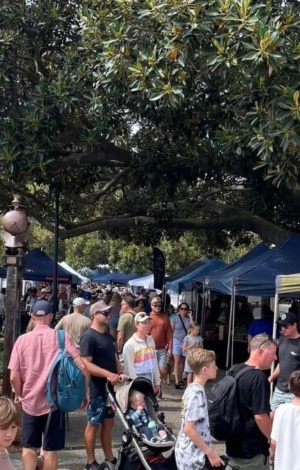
(60, 324)
(275, 374)
(99, 372)
(120, 341)
(15, 380)
(264, 423)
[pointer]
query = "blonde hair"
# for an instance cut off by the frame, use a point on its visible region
(9, 413)
(134, 394)
(193, 327)
(200, 358)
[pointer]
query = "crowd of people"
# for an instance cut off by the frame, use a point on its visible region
(114, 337)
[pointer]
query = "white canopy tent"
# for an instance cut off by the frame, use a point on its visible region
(147, 282)
(286, 285)
(65, 265)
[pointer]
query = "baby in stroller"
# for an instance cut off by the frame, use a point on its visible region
(144, 424)
(143, 446)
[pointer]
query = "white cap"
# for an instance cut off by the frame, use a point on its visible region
(79, 301)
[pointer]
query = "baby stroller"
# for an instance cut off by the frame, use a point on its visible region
(136, 451)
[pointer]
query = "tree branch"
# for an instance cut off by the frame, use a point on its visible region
(106, 153)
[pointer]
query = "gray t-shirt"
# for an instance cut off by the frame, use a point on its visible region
(194, 408)
(179, 331)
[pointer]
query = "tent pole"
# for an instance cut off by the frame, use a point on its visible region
(233, 323)
(202, 324)
(229, 336)
(276, 301)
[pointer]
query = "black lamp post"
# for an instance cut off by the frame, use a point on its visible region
(15, 225)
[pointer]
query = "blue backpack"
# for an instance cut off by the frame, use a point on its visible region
(65, 388)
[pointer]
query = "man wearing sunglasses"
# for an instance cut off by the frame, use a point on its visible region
(98, 351)
(288, 359)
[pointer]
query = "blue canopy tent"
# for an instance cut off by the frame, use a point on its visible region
(145, 281)
(188, 269)
(257, 276)
(214, 281)
(116, 278)
(39, 268)
(185, 283)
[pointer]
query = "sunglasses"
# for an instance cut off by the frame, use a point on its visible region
(142, 317)
(106, 314)
(156, 305)
(183, 308)
(285, 326)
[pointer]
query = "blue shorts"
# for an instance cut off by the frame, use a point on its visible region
(177, 347)
(279, 398)
(97, 411)
(33, 427)
(162, 357)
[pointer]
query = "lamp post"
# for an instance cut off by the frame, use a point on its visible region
(15, 225)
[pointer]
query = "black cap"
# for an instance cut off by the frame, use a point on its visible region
(41, 308)
(288, 318)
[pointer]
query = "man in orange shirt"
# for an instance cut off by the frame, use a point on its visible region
(161, 331)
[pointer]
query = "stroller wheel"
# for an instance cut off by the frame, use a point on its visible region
(106, 466)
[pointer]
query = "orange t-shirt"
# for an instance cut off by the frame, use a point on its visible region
(161, 330)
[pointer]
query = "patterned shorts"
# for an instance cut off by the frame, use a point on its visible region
(97, 411)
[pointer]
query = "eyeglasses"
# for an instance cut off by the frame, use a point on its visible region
(106, 313)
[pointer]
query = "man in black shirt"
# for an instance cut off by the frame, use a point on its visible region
(249, 448)
(288, 357)
(98, 351)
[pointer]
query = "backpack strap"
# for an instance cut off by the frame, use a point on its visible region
(242, 372)
(60, 335)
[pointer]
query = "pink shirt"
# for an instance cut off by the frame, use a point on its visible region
(5, 463)
(32, 356)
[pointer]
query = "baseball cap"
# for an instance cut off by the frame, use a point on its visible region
(141, 317)
(288, 318)
(44, 291)
(41, 308)
(87, 295)
(79, 301)
(156, 300)
(100, 306)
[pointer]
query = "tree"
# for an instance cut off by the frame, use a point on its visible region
(151, 116)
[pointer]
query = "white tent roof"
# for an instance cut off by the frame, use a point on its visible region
(288, 283)
(146, 281)
(65, 265)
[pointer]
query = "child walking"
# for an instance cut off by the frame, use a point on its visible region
(9, 422)
(285, 434)
(194, 441)
(192, 341)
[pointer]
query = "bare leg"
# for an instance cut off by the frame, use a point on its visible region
(177, 366)
(90, 441)
(106, 438)
(190, 378)
(163, 373)
(50, 460)
(29, 458)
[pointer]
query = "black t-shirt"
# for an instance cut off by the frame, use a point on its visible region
(254, 395)
(289, 361)
(101, 347)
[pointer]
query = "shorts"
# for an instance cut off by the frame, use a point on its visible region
(187, 367)
(162, 357)
(177, 347)
(34, 427)
(258, 462)
(279, 398)
(97, 411)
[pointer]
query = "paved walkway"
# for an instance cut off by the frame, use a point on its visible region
(73, 457)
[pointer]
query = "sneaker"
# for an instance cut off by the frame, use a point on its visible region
(114, 461)
(92, 466)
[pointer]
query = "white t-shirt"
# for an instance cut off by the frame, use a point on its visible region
(286, 433)
(194, 408)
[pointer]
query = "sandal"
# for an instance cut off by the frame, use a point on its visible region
(177, 386)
